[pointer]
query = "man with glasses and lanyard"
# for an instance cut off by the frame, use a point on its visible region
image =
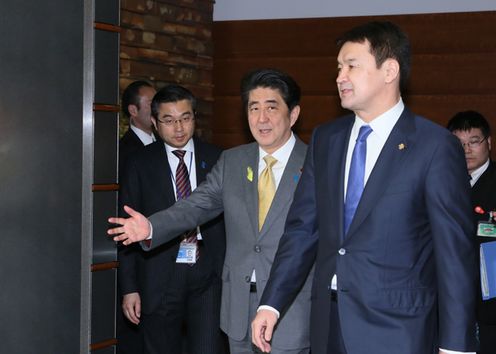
(178, 283)
(475, 135)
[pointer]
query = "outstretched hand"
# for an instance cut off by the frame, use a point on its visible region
(133, 229)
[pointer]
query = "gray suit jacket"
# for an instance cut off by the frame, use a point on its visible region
(231, 187)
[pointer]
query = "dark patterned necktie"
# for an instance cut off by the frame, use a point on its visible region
(183, 190)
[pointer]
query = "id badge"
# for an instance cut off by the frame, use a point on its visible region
(486, 229)
(187, 253)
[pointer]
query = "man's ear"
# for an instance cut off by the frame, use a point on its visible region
(294, 114)
(154, 122)
(391, 69)
(133, 110)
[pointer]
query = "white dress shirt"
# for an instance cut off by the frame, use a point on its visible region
(189, 160)
(145, 138)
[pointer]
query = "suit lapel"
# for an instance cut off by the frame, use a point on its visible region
(390, 159)
(287, 185)
(200, 163)
(337, 149)
(249, 178)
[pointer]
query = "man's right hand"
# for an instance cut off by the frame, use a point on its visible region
(133, 229)
(262, 328)
(131, 306)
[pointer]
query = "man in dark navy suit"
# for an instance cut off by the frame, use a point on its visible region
(163, 290)
(383, 209)
(474, 133)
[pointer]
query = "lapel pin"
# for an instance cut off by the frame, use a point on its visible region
(203, 164)
(249, 174)
(401, 146)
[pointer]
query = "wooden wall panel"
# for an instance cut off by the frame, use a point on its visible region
(452, 66)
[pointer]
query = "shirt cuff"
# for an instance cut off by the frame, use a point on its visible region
(453, 352)
(270, 308)
(147, 243)
(151, 231)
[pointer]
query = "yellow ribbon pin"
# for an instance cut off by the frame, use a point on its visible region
(249, 174)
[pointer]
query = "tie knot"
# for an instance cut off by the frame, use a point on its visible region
(269, 161)
(364, 132)
(179, 154)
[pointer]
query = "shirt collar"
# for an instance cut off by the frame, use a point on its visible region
(478, 172)
(142, 135)
(383, 124)
(282, 154)
(189, 147)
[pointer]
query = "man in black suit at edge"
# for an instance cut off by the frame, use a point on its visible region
(136, 101)
(168, 289)
(475, 135)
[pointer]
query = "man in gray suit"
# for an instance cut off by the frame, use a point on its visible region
(253, 185)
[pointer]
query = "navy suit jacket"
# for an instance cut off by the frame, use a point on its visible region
(147, 187)
(406, 269)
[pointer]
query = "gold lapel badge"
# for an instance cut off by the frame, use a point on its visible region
(401, 146)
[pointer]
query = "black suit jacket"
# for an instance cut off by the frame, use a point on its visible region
(146, 186)
(484, 195)
(128, 144)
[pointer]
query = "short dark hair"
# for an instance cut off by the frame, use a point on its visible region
(172, 93)
(131, 95)
(274, 79)
(467, 120)
(386, 41)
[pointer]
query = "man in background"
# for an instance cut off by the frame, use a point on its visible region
(474, 133)
(136, 100)
(135, 103)
(383, 209)
(165, 290)
(253, 185)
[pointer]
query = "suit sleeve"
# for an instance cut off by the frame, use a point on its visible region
(450, 216)
(298, 246)
(204, 204)
(128, 256)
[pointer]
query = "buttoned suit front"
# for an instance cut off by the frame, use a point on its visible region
(147, 187)
(406, 268)
(231, 187)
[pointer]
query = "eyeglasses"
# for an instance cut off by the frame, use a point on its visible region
(472, 144)
(169, 121)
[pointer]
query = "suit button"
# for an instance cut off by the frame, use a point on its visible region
(257, 249)
(342, 251)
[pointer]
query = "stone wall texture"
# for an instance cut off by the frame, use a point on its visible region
(167, 41)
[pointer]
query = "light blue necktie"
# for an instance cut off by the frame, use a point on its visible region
(356, 176)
